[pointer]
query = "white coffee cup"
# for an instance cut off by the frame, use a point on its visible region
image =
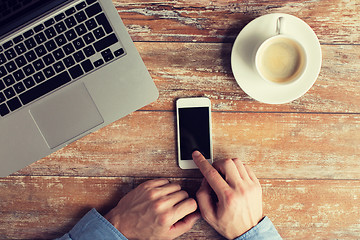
(281, 59)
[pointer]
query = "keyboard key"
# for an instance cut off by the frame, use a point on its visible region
(10, 66)
(119, 52)
(3, 71)
(18, 39)
(60, 40)
(81, 29)
(50, 45)
(79, 43)
(19, 87)
(38, 65)
(49, 22)
(76, 71)
(2, 97)
(59, 17)
(91, 24)
(59, 67)
(90, 1)
(79, 56)
(8, 44)
(50, 32)
(14, 104)
(87, 65)
(39, 28)
(4, 110)
(69, 61)
(48, 59)
(49, 72)
(89, 38)
(93, 10)
(28, 33)
(102, 20)
(70, 22)
(60, 27)
(30, 56)
(9, 80)
(99, 33)
(40, 38)
(2, 85)
(80, 5)
(98, 63)
(70, 35)
(40, 51)
(20, 48)
(70, 11)
(29, 82)
(89, 51)
(19, 75)
(39, 77)
(30, 43)
(45, 87)
(80, 16)
(10, 54)
(68, 49)
(105, 42)
(9, 92)
(28, 70)
(20, 61)
(2, 59)
(107, 55)
(58, 54)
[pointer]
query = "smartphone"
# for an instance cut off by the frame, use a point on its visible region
(193, 130)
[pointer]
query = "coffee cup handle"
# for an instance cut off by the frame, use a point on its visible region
(279, 25)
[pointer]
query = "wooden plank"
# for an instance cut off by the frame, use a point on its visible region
(220, 21)
(319, 146)
(190, 69)
(47, 207)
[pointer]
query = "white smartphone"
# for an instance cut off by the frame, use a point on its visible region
(193, 130)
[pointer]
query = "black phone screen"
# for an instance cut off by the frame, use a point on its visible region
(194, 130)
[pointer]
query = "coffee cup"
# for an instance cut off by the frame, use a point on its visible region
(280, 59)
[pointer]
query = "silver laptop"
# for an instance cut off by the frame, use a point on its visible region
(67, 68)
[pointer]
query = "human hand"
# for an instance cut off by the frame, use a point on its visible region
(239, 205)
(156, 209)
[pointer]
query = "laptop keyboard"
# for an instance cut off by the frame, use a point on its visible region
(55, 52)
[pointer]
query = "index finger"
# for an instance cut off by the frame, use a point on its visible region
(216, 182)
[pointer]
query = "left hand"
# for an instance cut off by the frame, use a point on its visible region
(156, 209)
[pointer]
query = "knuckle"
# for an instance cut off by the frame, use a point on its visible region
(157, 205)
(212, 173)
(164, 219)
(229, 196)
(152, 193)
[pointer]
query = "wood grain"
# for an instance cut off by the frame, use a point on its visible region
(48, 207)
(319, 146)
(190, 69)
(334, 21)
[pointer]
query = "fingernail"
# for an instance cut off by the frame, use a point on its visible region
(196, 153)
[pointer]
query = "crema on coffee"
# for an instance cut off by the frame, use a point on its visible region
(280, 59)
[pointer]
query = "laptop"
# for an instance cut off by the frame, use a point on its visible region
(67, 68)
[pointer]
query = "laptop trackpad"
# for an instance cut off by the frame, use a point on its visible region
(66, 114)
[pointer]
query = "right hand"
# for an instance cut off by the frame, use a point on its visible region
(239, 194)
(156, 209)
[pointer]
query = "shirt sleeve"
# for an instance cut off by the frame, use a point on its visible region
(93, 226)
(264, 230)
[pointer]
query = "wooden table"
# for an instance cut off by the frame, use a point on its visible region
(306, 153)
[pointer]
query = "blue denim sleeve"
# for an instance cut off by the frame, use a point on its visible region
(93, 226)
(265, 230)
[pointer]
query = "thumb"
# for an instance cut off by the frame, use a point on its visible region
(185, 224)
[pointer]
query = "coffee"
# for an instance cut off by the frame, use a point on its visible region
(280, 59)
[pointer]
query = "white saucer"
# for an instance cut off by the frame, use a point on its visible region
(250, 38)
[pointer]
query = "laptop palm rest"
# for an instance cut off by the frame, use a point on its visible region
(66, 114)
